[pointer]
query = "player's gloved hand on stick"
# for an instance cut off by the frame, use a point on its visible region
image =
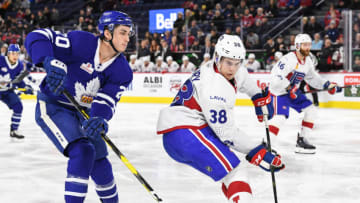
(263, 100)
(293, 91)
(28, 90)
(94, 126)
(332, 87)
(260, 156)
(56, 74)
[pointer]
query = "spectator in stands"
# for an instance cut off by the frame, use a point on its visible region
(3, 49)
(165, 51)
(240, 9)
(207, 58)
(251, 64)
(167, 37)
(291, 44)
(313, 27)
(282, 4)
(355, 4)
(174, 46)
(356, 66)
(144, 49)
(55, 16)
(81, 24)
(356, 43)
(229, 11)
(218, 21)
(208, 47)
(147, 66)
(333, 32)
(188, 18)
(196, 46)
(179, 22)
(247, 20)
(252, 40)
(259, 14)
(160, 65)
(42, 20)
(270, 48)
(95, 5)
(194, 28)
(135, 64)
(325, 59)
(214, 35)
(271, 9)
(187, 66)
(257, 28)
(172, 66)
(293, 4)
(317, 42)
(237, 31)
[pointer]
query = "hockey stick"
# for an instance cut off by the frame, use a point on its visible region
(266, 113)
(115, 149)
(314, 91)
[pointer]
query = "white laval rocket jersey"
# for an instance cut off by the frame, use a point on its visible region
(289, 70)
(207, 98)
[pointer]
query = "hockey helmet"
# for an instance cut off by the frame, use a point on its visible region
(301, 38)
(229, 46)
(13, 48)
(109, 19)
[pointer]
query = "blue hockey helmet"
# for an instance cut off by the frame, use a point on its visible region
(111, 18)
(13, 48)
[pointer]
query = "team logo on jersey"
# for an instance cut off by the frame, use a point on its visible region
(87, 67)
(4, 69)
(4, 80)
(85, 95)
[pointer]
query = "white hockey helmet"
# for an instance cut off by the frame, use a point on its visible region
(301, 38)
(229, 46)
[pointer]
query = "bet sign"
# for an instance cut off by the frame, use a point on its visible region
(163, 19)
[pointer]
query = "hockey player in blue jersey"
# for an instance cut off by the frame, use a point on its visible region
(12, 68)
(94, 70)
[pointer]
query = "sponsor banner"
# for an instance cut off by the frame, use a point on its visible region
(162, 88)
(163, 19)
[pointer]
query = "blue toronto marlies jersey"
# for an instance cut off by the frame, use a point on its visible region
(8, 72)
(92, 84)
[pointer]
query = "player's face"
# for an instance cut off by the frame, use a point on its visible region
(121, 37)
(13, 57)
(229, 67)
(305, 48)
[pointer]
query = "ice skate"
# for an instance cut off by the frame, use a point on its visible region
(304, 147)
(15, 134)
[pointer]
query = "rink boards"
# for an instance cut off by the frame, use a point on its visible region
(161, 88)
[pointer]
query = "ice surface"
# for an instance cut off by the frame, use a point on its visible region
(32, 171)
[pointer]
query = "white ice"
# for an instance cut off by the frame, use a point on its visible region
(33, 171)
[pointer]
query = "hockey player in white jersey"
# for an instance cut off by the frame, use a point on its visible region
(173, 66)
(187, 66)
(286, 76)
(199, 126)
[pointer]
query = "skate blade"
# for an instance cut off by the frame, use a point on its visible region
(304, 151)
(17, 140)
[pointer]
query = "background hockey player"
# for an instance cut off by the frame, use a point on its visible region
(286, 77)
(199, 127)
(12, 68)
(94, 70)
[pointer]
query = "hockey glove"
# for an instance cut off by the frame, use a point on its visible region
(260, 101)
(332, 87)
(293, 92)
(259, 156)
(56, 74)
(94, 126)
(28, 90)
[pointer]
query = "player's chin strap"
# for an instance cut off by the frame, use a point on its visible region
(114, 148)
(111, 43)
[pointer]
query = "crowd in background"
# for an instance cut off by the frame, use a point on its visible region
(197, 30)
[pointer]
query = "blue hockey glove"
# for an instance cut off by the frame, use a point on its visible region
(94, 126)
(28, 90)
(56, 74)
(332, 87)
(259, 156)
(263, 100)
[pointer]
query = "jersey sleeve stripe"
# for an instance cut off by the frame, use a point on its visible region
(43, 33)
(50, 34)
(106, 97)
